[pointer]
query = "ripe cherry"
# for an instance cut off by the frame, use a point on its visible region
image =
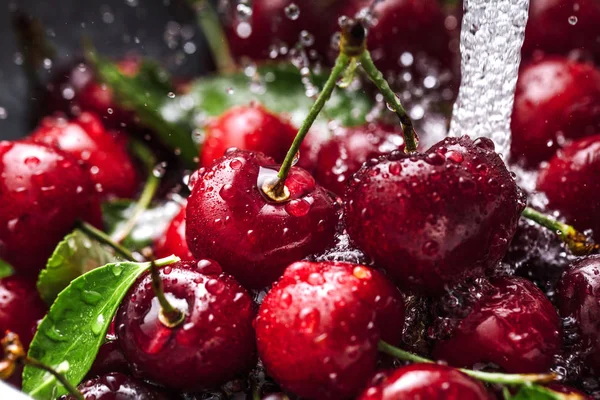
(117, 386)
(173, 241)
(230, 220)
(110, 358)
(105, 155)
(426, 382)
(436, 218)
(215, 342)
(555, 99)
(344, 153)
(251, 128)
(43, 192)
(317, 329)
(578, 298)
(507, 322)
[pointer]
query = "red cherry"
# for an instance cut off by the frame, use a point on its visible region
(116, 386)
(317, 329)
(447, 214)
(555, 99)
(344, 154)
(85, 138)
(230, 220)
(110, 358)
(173, 241)
(215, 342)
(426, 382)
(578, 298)
(570, 181)
(43, 191)
(509, 323)
(251, 128)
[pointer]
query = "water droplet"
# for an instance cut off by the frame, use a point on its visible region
(309, 319)
(292, 11)
(91, 297)
(98, 325)
(361, 272)
(455, 156)
(244, 30)
(573, 20)
(209, 267)
(116, 269)
(215, 286)
(315, 279)
(227, 192)
(171, 95)
(229, 91)
(286, 300)
(430, 247)
(298, 207)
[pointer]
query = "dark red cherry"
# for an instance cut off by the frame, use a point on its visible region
(317, 329)
(117, 386)
(214, 344)
(563, 26)
(349, 148)
(43, 191)
(173, 241)
(426, 382)
(556, 99)
(110, 358)
(436, 218)
(251, 128)
(230, 220)
(578, 298)
(509, 323)
(105, 155)
(570, 181)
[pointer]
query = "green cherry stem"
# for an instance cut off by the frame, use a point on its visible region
(577, 242)
(102, 237)
(489, 377)
(169, 315)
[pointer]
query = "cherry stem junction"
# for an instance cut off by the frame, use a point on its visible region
(578, 243)
(489, 377)
(169, 316)
(102, 237)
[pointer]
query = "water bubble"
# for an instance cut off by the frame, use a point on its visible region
(573, 20)
(406, 59)
(91, 297)
(98, 325)
(292, 11)
(243, 30)
(229, 91)
(159, 170)
(307, 39)
(171, 95)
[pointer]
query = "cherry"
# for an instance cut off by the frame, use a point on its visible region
(578, 298)
(447, 214)
(173, 241)
(555, 99)
(250, 127)
(116, 386)
(343, 155)
(507, 322)
(426, 382)
(317, 329)
(230, 220)
(110, 358)
(85, 138)
(215, 342)
(43, 191)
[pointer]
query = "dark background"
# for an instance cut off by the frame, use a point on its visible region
(161, 29)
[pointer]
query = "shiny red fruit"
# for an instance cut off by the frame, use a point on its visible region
(251, 128)
(578, 297)
(215, 342)
(556, 99)
(173, 241)
(116, 386)
(230, 220)
(105, 155)
(317, 329)
(510, 324)
(426, 382)
(43, 192)
(433, 219)
(344, 153)
(110, 358)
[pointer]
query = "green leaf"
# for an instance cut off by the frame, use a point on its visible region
(75, 255)
(537, 392)
(5, 269)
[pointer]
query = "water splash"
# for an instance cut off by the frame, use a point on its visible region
(490, 44)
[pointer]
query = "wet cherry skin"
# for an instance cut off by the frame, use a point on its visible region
(570, 181)
(250, 127)
(110, 358)
(43, 191)
(317, 329)
(436, 218)
(578, 297)
(215, 342)
(555, 99)
(106, 156)
(230, 220)
(511, 324)
(117, 386)
(426, 382)
(173, 241)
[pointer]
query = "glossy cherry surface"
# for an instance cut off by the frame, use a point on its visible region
(173, 240)
(555, 99)
(317, 329)
(343, 155)
(215, 342)
(509, 323)
(436, 218)
(111, 167)
(43, 192)
(250, 127)
(117, 386)
(426, 382)
(230, 220)
(110, 358)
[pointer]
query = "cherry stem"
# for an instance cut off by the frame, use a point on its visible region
(578, 243)
(169, 316)
(146, 156)
(102, 237)
(490, 377)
